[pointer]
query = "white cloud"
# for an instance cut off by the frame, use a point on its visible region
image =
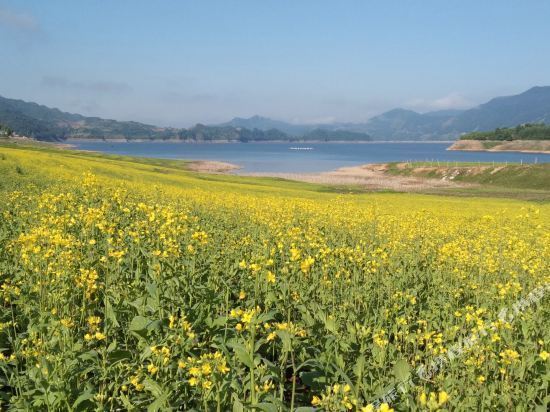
(313, 120)
(18, 21)
(451, 101)
(108, 87)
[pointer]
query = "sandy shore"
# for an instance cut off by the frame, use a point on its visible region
(372, 176)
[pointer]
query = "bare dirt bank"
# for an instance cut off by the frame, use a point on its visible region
(210, 166)
(524, 146)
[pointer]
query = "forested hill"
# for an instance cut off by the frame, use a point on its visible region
(539, 131)
(44, 123)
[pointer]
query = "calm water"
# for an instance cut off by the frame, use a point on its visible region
(278, 157)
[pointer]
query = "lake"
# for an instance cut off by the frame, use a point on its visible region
(280, 158)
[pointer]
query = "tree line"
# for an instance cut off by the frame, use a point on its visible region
(5, 131)
(528, 131)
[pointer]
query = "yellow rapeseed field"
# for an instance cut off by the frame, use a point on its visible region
(139, 286)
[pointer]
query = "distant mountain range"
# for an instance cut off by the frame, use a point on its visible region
(532, 106)
(44, 123)
(265, 123)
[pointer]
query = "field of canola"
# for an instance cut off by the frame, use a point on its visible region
(131, 286)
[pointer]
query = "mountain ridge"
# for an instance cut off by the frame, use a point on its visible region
(530, 106)
(44, 123)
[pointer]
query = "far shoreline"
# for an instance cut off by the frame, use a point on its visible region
(72, 141)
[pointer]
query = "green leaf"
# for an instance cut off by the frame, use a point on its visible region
(267, 407)
(153, 387)
(139, 324)
(243, 355)
(112, 346)
(401, 370)
(312, 379)
(158, 404)
(330, 324)
(84, 397)
(111, 316)
(285, 339)
(237, 405)
(118, 355)
(359, 366)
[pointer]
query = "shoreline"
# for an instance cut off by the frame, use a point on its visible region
(73, 141)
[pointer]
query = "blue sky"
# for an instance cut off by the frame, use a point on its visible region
(182, 62)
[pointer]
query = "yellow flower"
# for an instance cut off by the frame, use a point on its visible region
(423, 398)
(544, 355)
(222, 368)
(242, 295)
(481, 379)
(270, 277)
(368, 408)
(206, 369)
(100, 336)
(316, 401)
(385, 408)
(282, 326)
(137, 385)
(247, 316)
(509, 356)
(152, 369)
(267, 386)
(271, 336)
(68, 323)
(254, 267)
(306, 264)
(442, 398)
